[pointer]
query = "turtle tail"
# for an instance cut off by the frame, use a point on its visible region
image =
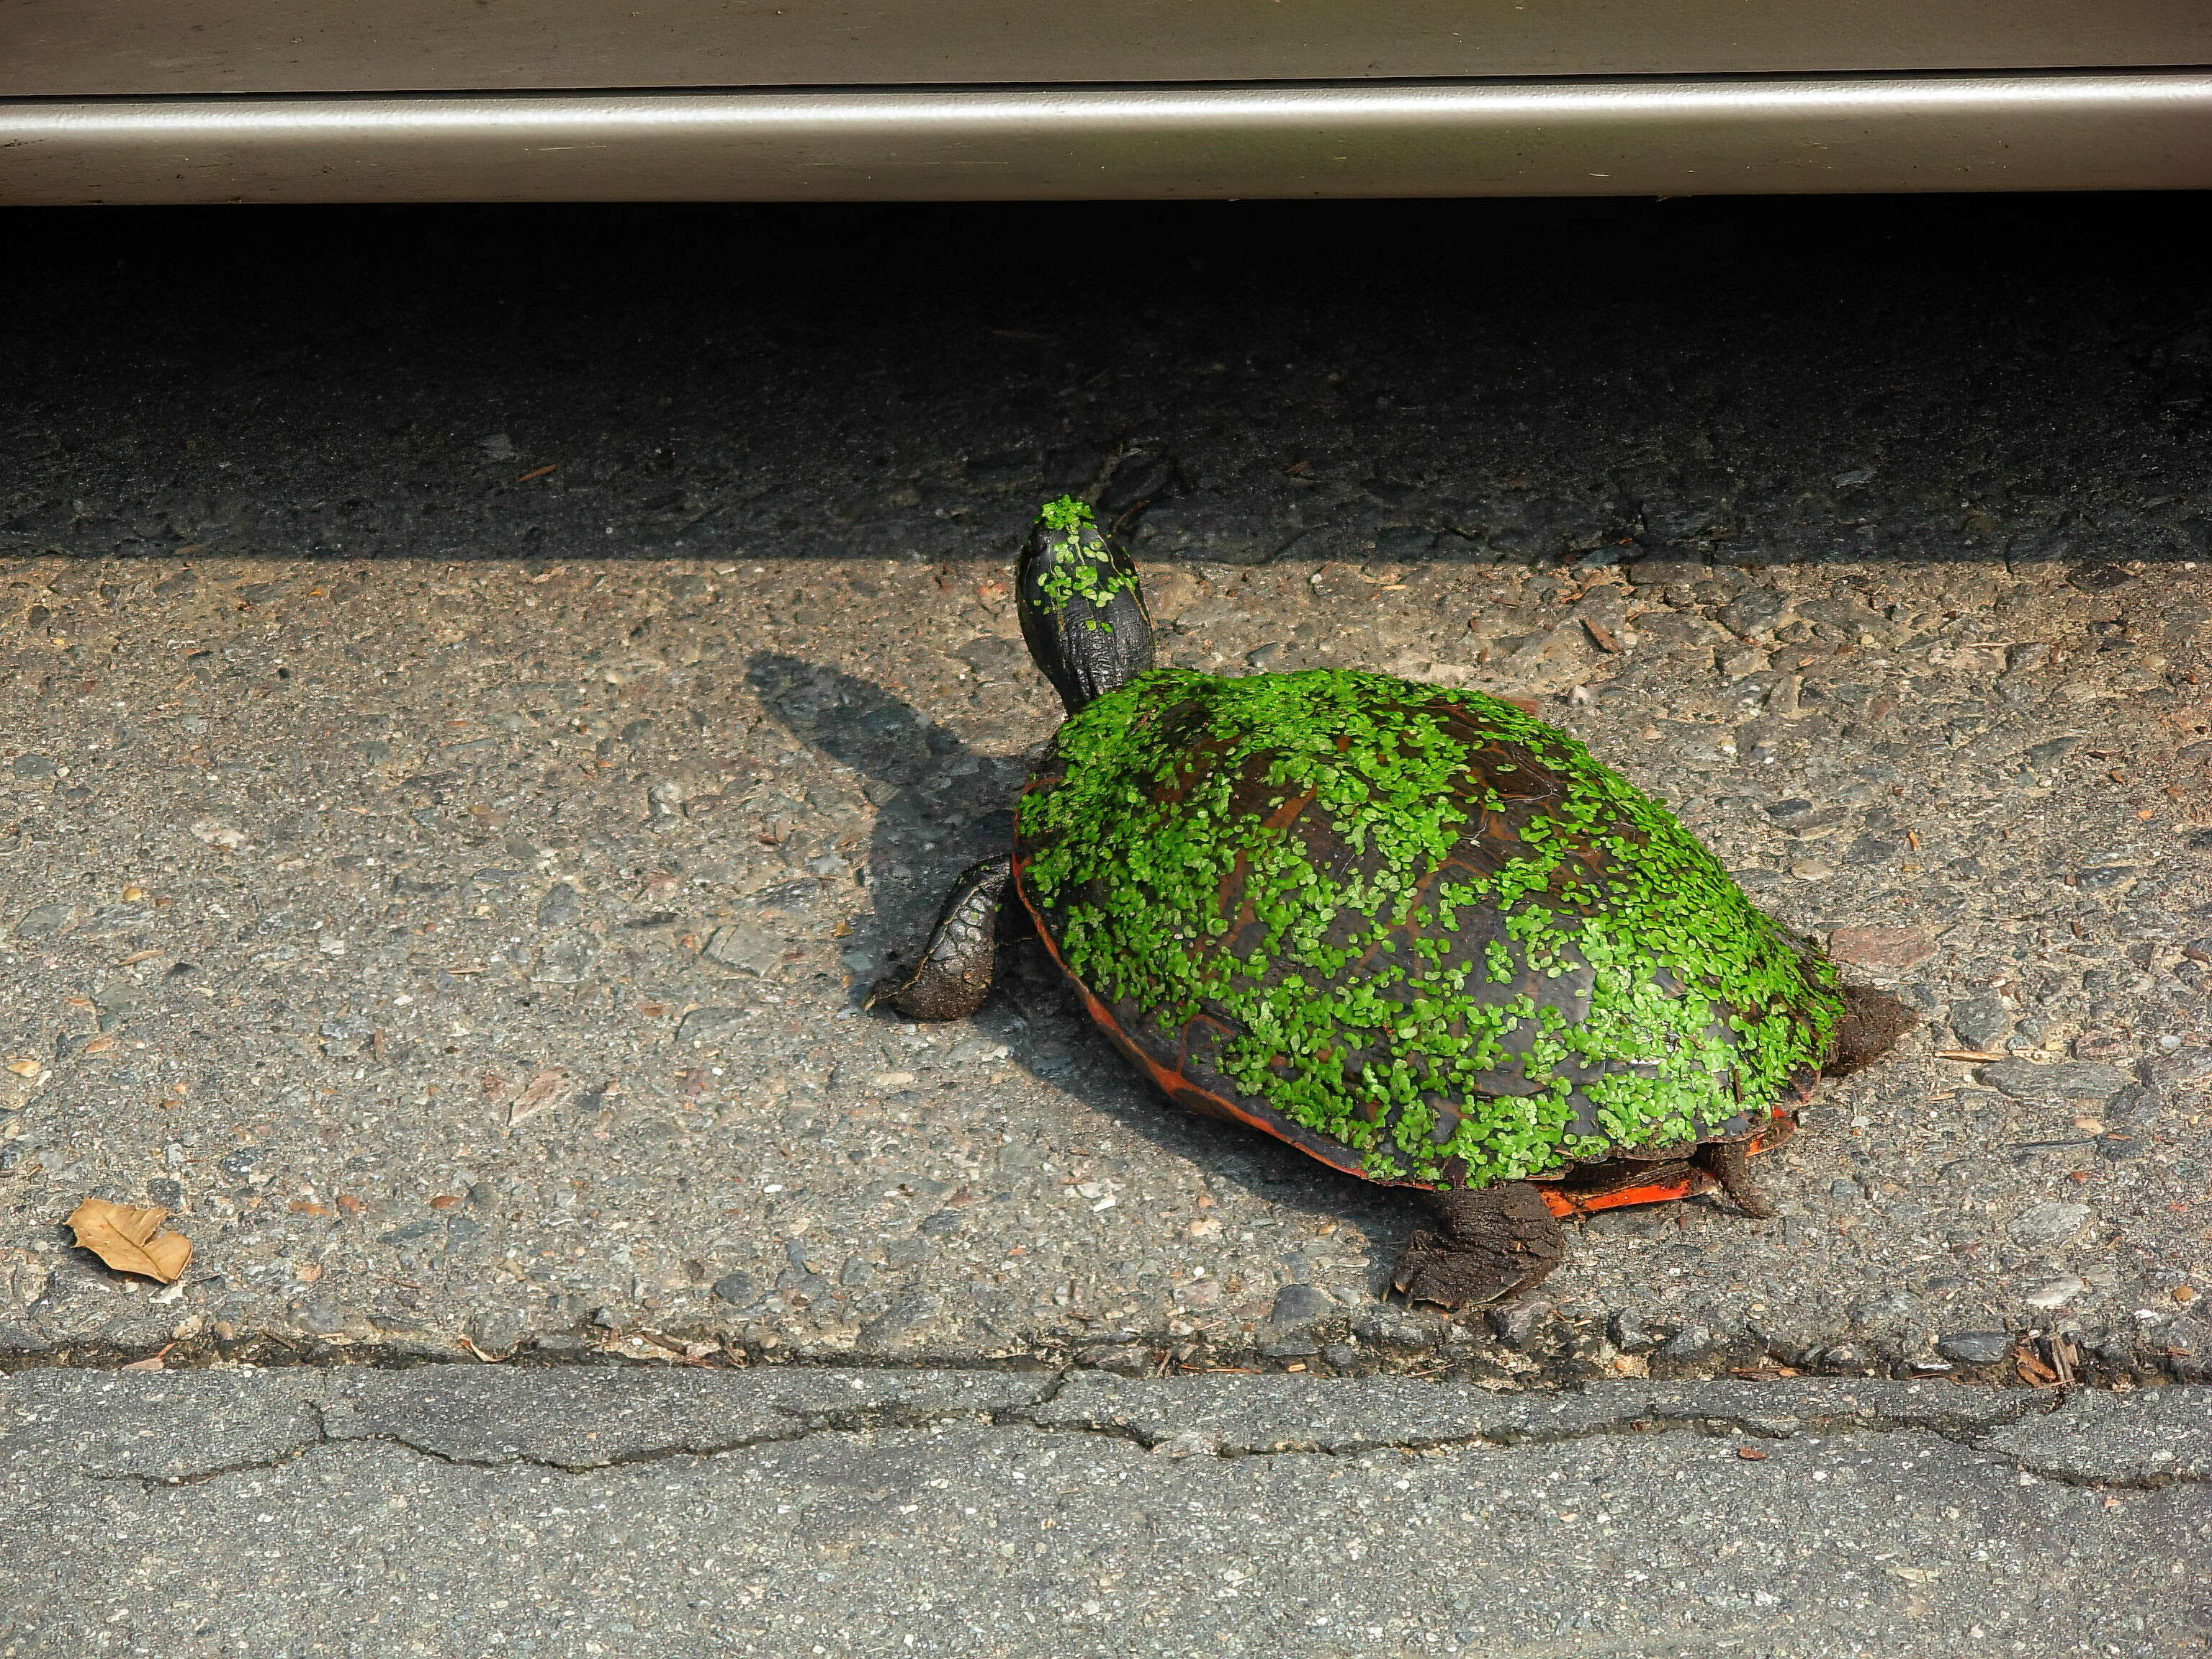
(1873, 1023)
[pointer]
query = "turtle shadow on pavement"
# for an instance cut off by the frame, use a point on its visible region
(951, 806)
(946, 805)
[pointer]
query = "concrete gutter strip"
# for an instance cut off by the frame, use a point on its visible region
(487, 1510)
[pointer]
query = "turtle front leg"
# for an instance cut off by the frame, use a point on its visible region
(1495, 1242)
(953, 979)
(1730, 1164)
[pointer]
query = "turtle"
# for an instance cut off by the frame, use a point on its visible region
(1412, 930)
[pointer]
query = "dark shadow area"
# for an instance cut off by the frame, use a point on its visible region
(946, 805)
(953, 805)
(1763, 378)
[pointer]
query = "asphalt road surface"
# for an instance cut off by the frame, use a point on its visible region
(796, 1511)
(487, 690)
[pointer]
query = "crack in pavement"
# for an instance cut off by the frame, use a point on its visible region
(837, 1423)
(1710, 1426)
(1174, 1445)
(1764, 1426)
(2148, 1367)
(470, 1419)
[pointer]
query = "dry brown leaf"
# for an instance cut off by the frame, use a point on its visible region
(127, 1238)
(555, 1086)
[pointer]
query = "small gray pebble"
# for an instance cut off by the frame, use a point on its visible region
(2106, 876)
(1975, 1347)
(1981, 1023)
(497, 1330)
(1517, 1323)
(2067, 1079)
(1630, 1334)
(42, 919)
(736, 1289)
(2051, 1222)
(560, 907)
(1124, 1359)
(1297, 1304)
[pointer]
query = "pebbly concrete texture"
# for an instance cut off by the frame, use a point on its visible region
(477, 720)
(465, 1509)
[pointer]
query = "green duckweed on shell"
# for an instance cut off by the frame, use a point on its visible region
(1414, 920)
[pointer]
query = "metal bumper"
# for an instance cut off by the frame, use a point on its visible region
(1662, 137)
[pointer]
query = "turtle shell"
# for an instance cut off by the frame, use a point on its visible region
(1411, 930)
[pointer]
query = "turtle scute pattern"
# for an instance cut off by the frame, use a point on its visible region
(1414, 921)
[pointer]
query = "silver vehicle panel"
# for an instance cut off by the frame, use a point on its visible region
(2039, 132)
(239, 100)
(90, 48)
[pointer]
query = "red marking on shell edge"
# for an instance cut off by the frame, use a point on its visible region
(1779, 1128)
(1565, 1203)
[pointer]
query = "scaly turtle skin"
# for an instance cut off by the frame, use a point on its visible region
(1417, 933)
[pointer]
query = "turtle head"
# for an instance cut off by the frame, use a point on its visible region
(1082, 616)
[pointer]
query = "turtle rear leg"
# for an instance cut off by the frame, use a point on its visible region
(1493, 1243)
(953, 978)
(1730, 1163)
